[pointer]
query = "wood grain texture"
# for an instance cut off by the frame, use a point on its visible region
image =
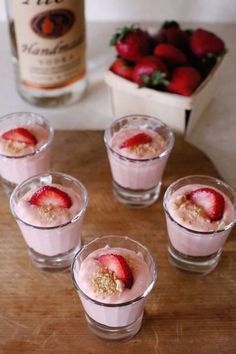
(40, 311)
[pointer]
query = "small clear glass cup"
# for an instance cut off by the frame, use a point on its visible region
(195, 251)
(51, 247)
(114, 321)
(137, 182)
(16, 169)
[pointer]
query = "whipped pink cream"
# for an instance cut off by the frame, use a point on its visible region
(146, 171)
(117, 315)
(143, 151)
(190, 217)
(15, 149)
(193, 217)
(90, 269)
(47, 216)
(19, 161)
(34, 222)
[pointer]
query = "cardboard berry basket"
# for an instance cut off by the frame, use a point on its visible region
(178, 112)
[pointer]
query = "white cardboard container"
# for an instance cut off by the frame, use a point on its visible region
(180, 113)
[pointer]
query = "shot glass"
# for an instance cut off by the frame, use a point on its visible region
(119, 321)
(193, 250)
(51, 247)
(137, 181)
(16, 168)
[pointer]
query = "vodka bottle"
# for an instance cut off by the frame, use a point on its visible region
(48, 49)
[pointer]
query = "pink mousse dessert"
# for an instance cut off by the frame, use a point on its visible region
(25, 146)
(49, 210)
(199, 215)
(113, 283)
(138, 149)
(137, 144)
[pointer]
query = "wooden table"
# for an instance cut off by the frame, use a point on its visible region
(40, 311)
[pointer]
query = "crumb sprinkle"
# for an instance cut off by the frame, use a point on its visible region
(15, 146)
(191, 211)
(106, 282)
(49, 212)
(143, 149)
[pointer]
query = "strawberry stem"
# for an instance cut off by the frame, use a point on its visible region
(157, 78)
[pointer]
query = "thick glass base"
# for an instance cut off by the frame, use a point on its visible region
(196, 265)
(137, 198)
(114, 333)
(54, 98)
(8, 186)
(58, 262)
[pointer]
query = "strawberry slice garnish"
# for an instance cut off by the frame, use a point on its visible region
(49, 195)
(210, 201)
(118, 265)
(138, 139)
(21, 135)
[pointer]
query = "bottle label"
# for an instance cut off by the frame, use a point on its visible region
(50, 37)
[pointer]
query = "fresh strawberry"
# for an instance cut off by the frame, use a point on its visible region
(135, 140)
(122, 68)
(150, 71)
(131, 43)
(171, 33)
(170, 54)
(21, 135)
(204, 43)
(210, 200)
(177, 37)
(49, 195)
(184, 81)
(161, 35)
(119, 266)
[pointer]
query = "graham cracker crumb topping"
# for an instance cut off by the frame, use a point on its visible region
(49, 212)
(105, 282)
(221, 224)
(143, 149)
(191, 210)
(15, 147)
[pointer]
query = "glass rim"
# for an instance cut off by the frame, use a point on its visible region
(122, 304)
(195, 232)
(42, 147)
(68, 177)
(160, 156)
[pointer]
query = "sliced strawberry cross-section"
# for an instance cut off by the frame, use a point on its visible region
(49, 195)
(138, 139)
(211, 201)
(119, 266)
(21, 135)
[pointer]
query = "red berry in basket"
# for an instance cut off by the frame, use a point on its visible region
(21, 135)
(49, 195)
(203, 42)
(177, 37)
(118, 265)
(138, 139)
(123, 69)
(150, 71)
(184, 81)
(161, 35)
(131, 43)
(171, 33)
(210, 201)
(170, 54)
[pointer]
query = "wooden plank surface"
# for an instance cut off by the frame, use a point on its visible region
(40, 311)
